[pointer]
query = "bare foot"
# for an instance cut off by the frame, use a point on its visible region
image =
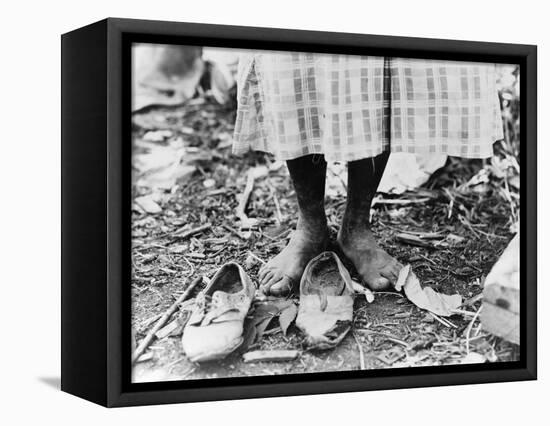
(376, 267)
(283, 273)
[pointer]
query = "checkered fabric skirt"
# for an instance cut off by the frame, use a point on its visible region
(354, 107)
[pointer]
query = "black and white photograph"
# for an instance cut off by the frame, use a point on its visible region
(243, 213)
(300, 212)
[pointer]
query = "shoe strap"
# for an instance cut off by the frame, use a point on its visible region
(215, 308)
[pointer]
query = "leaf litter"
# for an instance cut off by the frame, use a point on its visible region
(458, 233)
(426, 298)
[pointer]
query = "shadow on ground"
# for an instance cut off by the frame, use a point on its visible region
(53, 382)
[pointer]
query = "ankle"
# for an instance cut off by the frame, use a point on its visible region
(314, 226)
(355, 228)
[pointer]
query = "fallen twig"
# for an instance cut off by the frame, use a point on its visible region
(240, 211)
(150, 320)
(426, 235)
(192, 271)
(173, 363)
(173, 308)
(216, 192)
(263, 262)
(443, 321)
(270, 356)
(508, 197)
(361, 354)
(235, 232)
(451, 324)
(428, 259)
(390, 293)
(277, 208)
(388, 336)
(145, 357)
(190, 232)
(451, 203)
(167, 330)
(463, 312)
(400, 202)
(188, 372)
(472, 300)
(413, 240)
(469, 329)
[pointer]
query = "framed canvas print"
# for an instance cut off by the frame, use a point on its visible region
(253, 212)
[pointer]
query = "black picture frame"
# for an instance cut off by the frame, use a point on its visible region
(96, 211)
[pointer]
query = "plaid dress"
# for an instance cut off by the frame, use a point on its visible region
(354, 107)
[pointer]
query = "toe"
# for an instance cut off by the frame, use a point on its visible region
(390, 273)
(263, 271)
(376, 281)
(266, 277)
(273, 279)
(381, 283)
(282, 287)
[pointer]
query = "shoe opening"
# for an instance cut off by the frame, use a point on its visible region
(228, 280)
(325, 278)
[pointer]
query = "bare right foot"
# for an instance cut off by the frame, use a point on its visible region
(283, 273)
(377, 268)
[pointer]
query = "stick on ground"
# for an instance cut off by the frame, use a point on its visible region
(240, 211)
(271, 356)
(469, 329)
(190, 232)
(361, 354)
(263, 262)
(151, 335)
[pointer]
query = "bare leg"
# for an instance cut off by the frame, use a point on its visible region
(376, 267)
(284, 271)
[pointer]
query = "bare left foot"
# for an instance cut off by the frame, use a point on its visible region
(376, 267)
(282, 274)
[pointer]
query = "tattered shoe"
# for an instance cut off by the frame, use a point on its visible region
(326, 302)
(215, 327)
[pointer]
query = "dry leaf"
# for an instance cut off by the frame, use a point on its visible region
(147, 204)
(259, 172)
(221, 82)
(250, 261)
(426, 298)
(391, 356)
(148, 356)
(262, 326)
(454, 239)
(473, 358)
(157, 135)
(287, 316)
(209, 183)
(138, 233)
(184, 248)
(280, 304)
(514, 182)
(249, 336)
(264, 310)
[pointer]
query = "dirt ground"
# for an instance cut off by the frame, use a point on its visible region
(451, 231)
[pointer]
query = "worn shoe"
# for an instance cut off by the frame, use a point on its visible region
(326, 302)
(215, 327)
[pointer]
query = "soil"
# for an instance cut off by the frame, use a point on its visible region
(462, 229)
(326, 279)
